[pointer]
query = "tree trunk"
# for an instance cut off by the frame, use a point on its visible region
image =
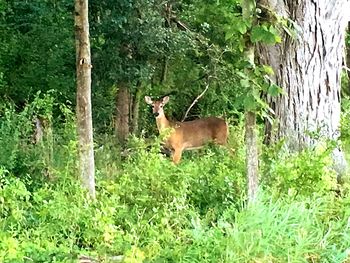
(168, 13)
(135, 111)
(123, 111)
(251, 138)
(347, 62)
(308, 69)
(84, 116)
(164, 70)
(252, 155)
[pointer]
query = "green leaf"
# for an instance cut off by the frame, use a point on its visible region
(278, 39)
(266, 35)
(274, 90)
(249, 103)
(245, 83)
(238, 27)
(257, 34)
(241, 27)
(274, 31)
(260, 102)
(229, 34)
(268, 70)
(241, 74)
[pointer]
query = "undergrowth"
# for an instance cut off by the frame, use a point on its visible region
(149, 210)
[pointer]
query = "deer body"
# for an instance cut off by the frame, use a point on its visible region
(190, 134)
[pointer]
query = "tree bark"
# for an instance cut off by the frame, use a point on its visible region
(164, 70)
(252, 155)
(84, 115)
(347, 62)
(135, 111)
(308, 69)
(251, 138)
(123, 112)
(168, 13)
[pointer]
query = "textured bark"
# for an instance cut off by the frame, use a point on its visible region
(308, 69)
(84, 115)
(123, 111)
(347, 63)
(38, 131)
(251, 140)
(135, 111)
(252, 155)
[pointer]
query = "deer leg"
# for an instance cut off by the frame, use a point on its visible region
(177, 156)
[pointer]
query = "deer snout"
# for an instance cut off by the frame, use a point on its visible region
(156, 114)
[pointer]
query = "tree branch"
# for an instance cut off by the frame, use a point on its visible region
(346, 68)
(195, 101)
(180, 24)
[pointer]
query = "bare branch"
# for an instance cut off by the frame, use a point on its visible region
(346, 68)
(180, 24)
(195, 101)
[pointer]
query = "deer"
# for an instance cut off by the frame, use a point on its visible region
(187, 135)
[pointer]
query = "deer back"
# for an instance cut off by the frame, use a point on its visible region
(196, 133)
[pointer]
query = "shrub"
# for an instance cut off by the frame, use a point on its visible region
(301, 173)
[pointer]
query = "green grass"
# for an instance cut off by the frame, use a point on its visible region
(149, 210)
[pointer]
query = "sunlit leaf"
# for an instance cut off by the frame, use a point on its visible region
(268, 70)
(245, 83)
(274, 90)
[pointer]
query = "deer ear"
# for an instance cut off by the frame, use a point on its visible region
(165, 99)
(148, 100)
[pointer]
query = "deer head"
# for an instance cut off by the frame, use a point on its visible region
(157, 105)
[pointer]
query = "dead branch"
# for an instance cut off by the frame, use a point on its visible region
(346, 68)
(180, 24)
(195, 101)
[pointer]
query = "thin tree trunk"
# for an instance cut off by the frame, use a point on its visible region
(252, 155)
(168, 14)
(308, 69)
(135, 111)
(251, 140)
(164, 70)
(84, 115)
(123, 111)
(347, 61)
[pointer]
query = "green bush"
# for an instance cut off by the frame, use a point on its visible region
(302, 173)
(345, 126)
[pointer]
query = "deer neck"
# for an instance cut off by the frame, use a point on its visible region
(162, 123)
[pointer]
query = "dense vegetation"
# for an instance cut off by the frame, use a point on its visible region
(147, 209)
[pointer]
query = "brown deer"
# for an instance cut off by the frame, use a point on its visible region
(188, 135)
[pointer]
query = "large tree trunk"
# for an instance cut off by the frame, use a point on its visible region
(84, 116)
(123, 112)
(308, 69)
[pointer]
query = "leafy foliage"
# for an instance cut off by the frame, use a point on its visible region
(155, 211)
(301, 173)
(36, 49)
